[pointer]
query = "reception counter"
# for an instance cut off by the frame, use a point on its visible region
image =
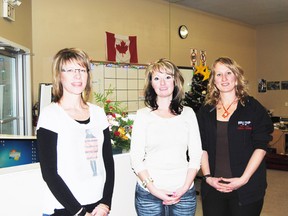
(22, 187)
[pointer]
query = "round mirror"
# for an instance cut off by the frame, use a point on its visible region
(183, 31)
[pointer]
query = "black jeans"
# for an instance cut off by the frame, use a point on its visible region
(216, 203)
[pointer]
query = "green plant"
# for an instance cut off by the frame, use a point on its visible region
(108, 105)
(119, 124)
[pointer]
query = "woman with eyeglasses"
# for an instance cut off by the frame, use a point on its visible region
(235, 130)
(74, 142)
(163, 133)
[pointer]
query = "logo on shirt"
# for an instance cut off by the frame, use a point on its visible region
(91, 150)
(244, 125)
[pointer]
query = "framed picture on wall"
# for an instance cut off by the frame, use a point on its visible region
(284, 85)
(262, 86)
(273, 85)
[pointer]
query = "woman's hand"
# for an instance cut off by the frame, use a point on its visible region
(226, 185)
(219, 184)
(191, 174)
(168, 198)
(180, 192)
(234, 183)
(101, 210)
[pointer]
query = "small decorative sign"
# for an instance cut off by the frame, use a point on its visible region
(193, 57)
(203, 57)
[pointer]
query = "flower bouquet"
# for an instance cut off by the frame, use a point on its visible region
(119, 124)
(120, 130)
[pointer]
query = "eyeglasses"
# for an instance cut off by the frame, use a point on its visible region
(74, 70)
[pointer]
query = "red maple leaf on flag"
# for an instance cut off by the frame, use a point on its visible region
(122, 48)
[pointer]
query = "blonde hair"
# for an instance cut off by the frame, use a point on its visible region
(61, 58)
(213, 95)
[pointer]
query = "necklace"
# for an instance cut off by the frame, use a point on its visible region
(226, 113)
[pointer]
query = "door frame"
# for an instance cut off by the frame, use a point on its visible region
(23, 67)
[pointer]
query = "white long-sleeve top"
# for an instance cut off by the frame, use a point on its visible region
(159, 145)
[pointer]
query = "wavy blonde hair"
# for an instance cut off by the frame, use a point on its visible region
(213, 95)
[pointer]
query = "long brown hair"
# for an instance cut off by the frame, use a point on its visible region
(165, 66)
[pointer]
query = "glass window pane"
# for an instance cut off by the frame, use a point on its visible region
(8, 96)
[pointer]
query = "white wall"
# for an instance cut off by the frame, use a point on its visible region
(22, 189)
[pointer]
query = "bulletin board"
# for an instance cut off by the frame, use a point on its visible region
(127, 80)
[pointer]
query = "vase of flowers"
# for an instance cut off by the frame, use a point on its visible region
(120, 124)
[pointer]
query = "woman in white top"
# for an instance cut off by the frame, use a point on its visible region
(74, 143)
(166, 146)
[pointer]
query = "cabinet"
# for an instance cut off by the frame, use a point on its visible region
(279, 141)
(23, 186)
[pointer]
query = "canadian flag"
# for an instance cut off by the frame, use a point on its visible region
(121, 48)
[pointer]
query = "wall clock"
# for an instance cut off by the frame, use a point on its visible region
(183, 31)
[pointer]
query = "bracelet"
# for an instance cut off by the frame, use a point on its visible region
(206, 176)
(82, 212)
(147, 181)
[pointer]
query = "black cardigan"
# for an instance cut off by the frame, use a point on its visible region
(249, 128)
